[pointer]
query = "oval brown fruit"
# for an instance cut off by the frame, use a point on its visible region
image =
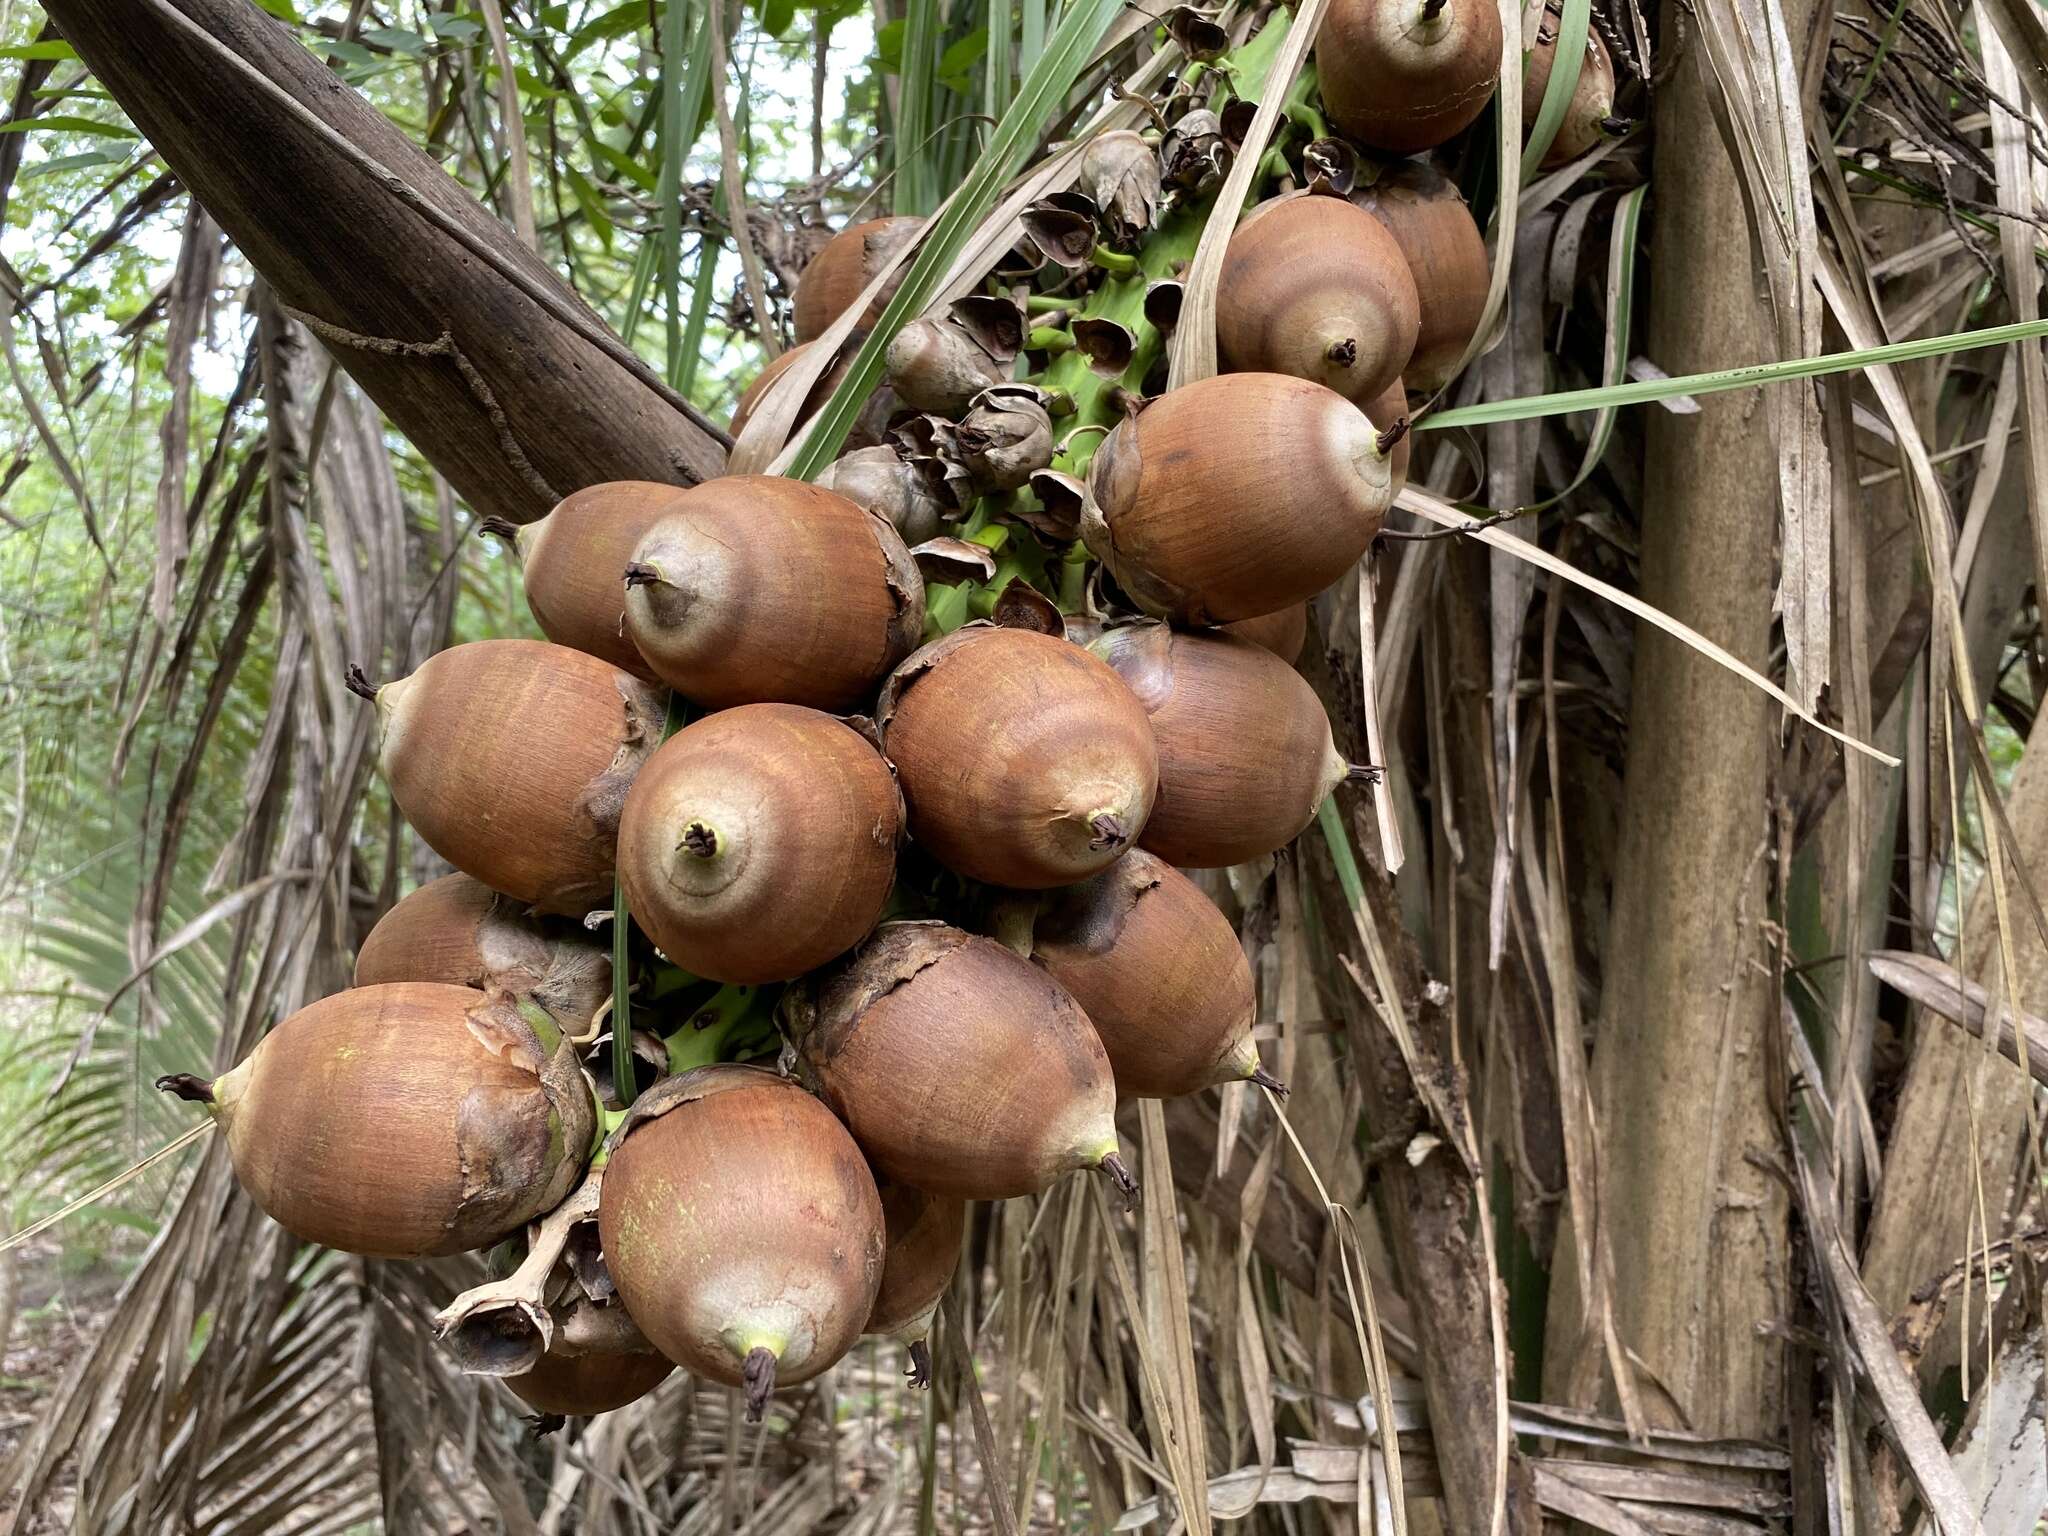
(1425, 213)
(1186, 509)
(1245, 753)
(460, 931)
(1385, 410)
(1023, 760)
(405, 1120)
(1161, 974)
(961, 1068)
(760, 842)
(754, 588)
(597, 1381)
(1316, 288)
(846, 264)
(924, 1237)
(570, 562)
(1404, 75)
(511, 759)
(1283, 633)
(741, 1227)
(868, 427)
(1592, 101)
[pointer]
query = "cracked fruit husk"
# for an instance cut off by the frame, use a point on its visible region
(924, 1235)
(1023, 760)
(760, 842)
(1245, 752)
(741, 1227)
(1406, 75)
(570, 562)
(460, 931)
(756, 588)
(880, 480)
(961, 1068)
(1314, 287)
(1235, 496)
(405, 1120)
(1159, 971)
(846, 264)
(1425, 213)
(511, 759)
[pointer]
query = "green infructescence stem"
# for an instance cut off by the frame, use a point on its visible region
(705, 1034)
(608, 1120)
(1122, 299)
(1073, 577)
(1118, 263)
(946, 607)
(982, 599)
(1047, 338)
(1048, 303)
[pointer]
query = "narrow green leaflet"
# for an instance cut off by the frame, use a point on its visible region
(914, 116)
(1566, 62)
(700, 314)
(58, 122)
(1532, 406)
(685, 87)
(1045, 87)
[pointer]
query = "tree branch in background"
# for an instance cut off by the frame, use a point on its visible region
(405, 255)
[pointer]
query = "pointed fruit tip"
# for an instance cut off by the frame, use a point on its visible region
(919, 1373)
(1112, 1164)
(1268, 1081)
(196, 1090)
(1107, 830)
(758, 1375)
(1384, 443)
(359, 683)
(639, 575)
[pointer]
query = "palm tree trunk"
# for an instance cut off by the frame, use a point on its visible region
(1687, 1062)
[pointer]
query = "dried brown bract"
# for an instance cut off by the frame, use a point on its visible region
(459, 931)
